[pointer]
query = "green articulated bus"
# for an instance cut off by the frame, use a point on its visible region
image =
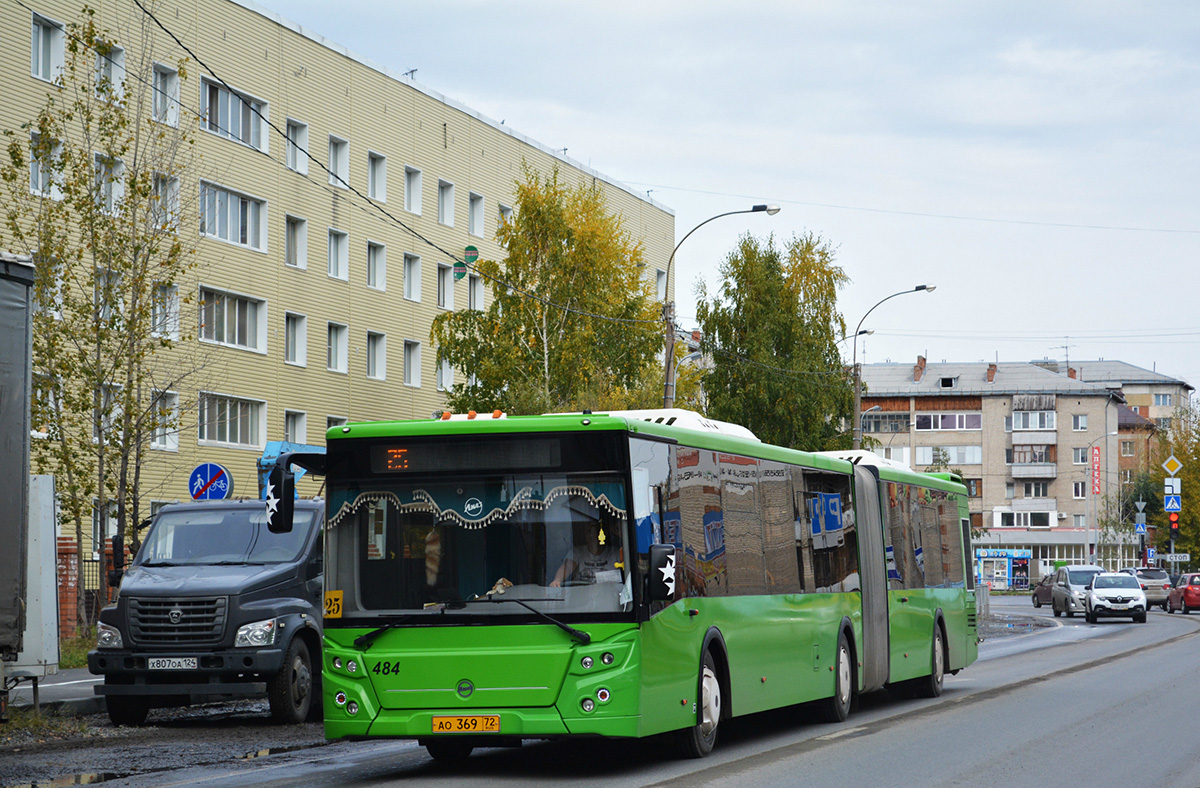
(491, 579)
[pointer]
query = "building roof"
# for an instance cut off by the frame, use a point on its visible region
(1010, 378)
(1118, 373)
(1128, 418)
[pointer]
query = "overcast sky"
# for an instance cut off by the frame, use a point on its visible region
(1039, 162)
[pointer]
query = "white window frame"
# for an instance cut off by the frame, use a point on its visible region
(217, 220)
(297, 146)
(1032, 489)
(112, 68)
(164, 437)
(475, 293)
(475, 214)
(1023, 420)
(295, 241)
(445, 287)
(334, 421)
(959, 455)
(1079, 490)
(504, 215)
(445, 375)
(337, 357)
(215, 319)
(1127, 448)
(45, 181)
(412, 190)
(445, 203)
(295, 339)
(412, 363)
(164, 312)
(255, 412)
(234, 111)
(339, 254)
(165, 107)
(660, 284)
(937, 422)
(376, 265)
(376, 355)
(295, 426)
(164, 206)
(1079, 422)
(1079, 455)
(109, 182)
(47, 48)
(339, 162)
(1162, 400)
(377, 176)
(412, 277)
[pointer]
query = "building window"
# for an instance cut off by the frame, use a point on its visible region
(230, 216)
(412, 363)
(1079, 490)
(955, 455)
(110, 182)
(339, 254)
(166, 95)
(1079, 456)
(948, 421)
(295, 339)
(660, 284)
(376, 355)
(164, 312)
(1025, 519)
(1010, 490)
(233, 320)
(446, 203)
(334, 421)
(445, 287)
(1126, 448)
(412, 277)
(376, 265)
(377, 176)
(1162, 400)
(339, 347)
(45, 167)
(110, 73)
(1079, 520)
(231, 421)
(1079, 422)
(974, 487)
(475, 213)
(1030, 420)
(295, 426)
(445, 375)
(505, 216)
(412, 190)
(1127, 476)
(1031, 453)
(46, 56)
(339, 162)
(297, 146)
(295, 242)
(475, 292)
(1037, 489)
(164, 203)
(165, 429)
(1163, 424)
(885, 422)
(232, 115)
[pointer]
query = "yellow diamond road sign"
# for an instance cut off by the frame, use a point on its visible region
(1172, 465)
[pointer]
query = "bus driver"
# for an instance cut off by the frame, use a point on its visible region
(594, 554)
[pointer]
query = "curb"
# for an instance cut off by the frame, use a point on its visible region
(64, 708)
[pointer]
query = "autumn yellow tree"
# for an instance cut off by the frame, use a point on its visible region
(572, 321)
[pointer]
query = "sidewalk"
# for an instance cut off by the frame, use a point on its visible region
(65, 692)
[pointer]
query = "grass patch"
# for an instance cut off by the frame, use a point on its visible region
(26, 727)
(72, 652)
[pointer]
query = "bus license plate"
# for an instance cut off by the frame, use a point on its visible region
(171, 663)
(482, 723)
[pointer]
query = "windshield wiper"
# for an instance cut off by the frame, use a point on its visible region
(364, 641)
(236, 563)
(583, 637)
(160, 563)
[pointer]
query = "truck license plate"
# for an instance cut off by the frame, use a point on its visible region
(483, 723)
(171, 663)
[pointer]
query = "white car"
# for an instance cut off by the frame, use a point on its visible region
(1115, 594)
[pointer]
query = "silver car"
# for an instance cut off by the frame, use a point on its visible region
(1070, 588)
(1115, 594)
(1156, 583)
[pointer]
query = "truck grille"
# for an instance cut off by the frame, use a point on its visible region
(177, 621)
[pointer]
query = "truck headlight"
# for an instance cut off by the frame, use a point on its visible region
(259, 633)
(108, 637)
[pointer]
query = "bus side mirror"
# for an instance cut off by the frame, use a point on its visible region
(281, 498)
(665, 571)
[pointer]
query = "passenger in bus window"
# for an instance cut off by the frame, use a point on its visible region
(596, 553)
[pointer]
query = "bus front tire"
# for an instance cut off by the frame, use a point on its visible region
(837, 708)
(699, 740)
(448, 750)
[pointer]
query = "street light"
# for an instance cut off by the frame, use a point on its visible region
(862, 333)
(669, 307)
(1087, 547)
(858, 372)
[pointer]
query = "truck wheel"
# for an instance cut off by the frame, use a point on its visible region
(127, 709)
(290, 690)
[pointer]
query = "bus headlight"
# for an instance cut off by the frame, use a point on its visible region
(257, 634)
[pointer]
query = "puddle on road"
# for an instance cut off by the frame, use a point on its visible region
(276, 751)
(84, 778)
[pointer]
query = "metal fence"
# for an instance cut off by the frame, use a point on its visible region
(983, 600)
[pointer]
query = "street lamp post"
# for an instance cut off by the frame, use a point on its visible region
(669, 307)
(858, 372)
(1087, 546)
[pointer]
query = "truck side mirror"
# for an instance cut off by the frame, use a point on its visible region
(118, 552)
(665, 570)
(281, 498)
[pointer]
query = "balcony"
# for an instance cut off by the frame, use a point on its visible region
(1034, 438)
(1034, 470)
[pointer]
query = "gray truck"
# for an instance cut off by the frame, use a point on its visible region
(215, 606)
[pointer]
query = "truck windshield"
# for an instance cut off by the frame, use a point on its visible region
(216, 536)
(432, 546)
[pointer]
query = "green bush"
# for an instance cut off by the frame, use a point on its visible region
(72, 652)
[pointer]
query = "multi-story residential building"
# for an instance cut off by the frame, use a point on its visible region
(332, 201)
(1040, 448)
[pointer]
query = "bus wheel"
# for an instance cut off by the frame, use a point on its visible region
(931, 685)
(837, 708)
(448, 750)
(699, 740)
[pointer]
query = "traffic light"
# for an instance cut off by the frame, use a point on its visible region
(1173, 521)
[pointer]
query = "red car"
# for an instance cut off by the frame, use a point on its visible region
(1185, 594)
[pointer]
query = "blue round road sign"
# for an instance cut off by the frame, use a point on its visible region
(210, 482)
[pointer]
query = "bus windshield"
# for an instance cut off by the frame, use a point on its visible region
(432, 546)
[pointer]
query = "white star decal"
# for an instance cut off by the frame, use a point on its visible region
(272, 501)
(668, 573)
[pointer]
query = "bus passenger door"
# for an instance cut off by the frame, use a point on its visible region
(873, 651)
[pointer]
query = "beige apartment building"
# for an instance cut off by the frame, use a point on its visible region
(1024, 436)
(318, 278)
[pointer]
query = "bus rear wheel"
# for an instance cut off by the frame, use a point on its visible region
(837, 708)
(699, 740)
(931, 685)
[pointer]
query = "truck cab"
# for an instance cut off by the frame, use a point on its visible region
(216, 606)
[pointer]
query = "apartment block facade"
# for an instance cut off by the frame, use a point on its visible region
(331, 201)
(1040, 447)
